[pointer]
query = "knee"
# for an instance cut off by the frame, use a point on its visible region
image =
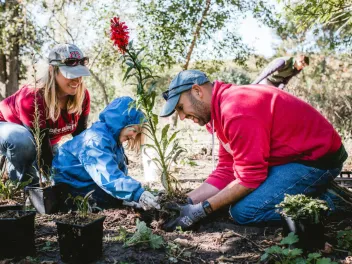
(17, 140)
(241, 214)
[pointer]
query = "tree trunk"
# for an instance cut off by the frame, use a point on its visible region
(196, 34)
(102, 86)
(3, 75)
(13, 70)
(9, 59)
(191, 48)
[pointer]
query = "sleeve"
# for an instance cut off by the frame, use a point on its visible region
(103, 167)
(250, 143)
(86, 104)
(272, 67)
(81, 126)
(223, 174)
(83, 119)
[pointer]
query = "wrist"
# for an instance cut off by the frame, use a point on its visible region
(207, 207)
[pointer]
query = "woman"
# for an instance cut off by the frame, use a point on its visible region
(62, 104)
(95, 159)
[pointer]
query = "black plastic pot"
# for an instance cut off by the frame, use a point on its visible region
(17, 207)
(17, 235)
(80, 243)
(311, 235)
(48, 200)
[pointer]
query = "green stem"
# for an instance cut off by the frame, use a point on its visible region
(147, 109)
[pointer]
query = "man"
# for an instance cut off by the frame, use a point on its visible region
(281, 70)
(271, 143)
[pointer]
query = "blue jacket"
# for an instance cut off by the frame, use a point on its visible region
(97, 157)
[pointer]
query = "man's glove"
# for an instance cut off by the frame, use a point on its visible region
(148, 201)
(189, 215)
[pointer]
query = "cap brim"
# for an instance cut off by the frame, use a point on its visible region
(169, 107)
(74, 72)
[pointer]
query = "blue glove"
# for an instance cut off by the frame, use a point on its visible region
(188, 215)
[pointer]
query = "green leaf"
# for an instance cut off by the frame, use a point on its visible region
(156, 241)
(325, 261)
(290, 239)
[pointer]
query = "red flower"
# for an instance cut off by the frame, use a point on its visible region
(119, 34)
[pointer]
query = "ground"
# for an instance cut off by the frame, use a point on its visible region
(218, 240)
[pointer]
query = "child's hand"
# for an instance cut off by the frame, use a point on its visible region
(149, 201)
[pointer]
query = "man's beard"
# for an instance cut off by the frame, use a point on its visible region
(201, 110)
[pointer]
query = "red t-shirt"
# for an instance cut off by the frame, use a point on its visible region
(19, 108)
(259, 126)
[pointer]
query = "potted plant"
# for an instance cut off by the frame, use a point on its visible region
(80, 233)
(17, 233)
(11, 195)
(304, 216)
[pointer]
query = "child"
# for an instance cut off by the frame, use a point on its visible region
(95, 159)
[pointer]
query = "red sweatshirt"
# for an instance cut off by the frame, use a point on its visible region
(260, 126)
(19, 108)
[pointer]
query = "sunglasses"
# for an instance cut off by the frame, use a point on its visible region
(166, 93)
(72, 62)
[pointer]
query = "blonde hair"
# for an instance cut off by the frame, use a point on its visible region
(49, 86)
(135, 144)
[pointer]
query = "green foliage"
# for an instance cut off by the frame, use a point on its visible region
(300, 206)
(187, 161)
(166, 147)
(233, 76)
(82, 203)
(9, 189)
(144, 236)
(344, 239)
(178, 30)
(285, 254)
(334, 16)
(327, 84)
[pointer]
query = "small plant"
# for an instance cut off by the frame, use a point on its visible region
(344, 238)
(187, 161)
(38, 136)
(145, 236)
(283, 253)
(301, 206)
(10, 189)
(82, 204)
(167, 148)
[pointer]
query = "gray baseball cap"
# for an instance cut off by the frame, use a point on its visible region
(183, 81)
(60, 53)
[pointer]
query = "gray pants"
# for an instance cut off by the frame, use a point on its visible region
(17, 145)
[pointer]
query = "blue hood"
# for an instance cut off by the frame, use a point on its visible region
(118, 114)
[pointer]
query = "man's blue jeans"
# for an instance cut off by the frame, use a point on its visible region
(292, 178)
(17, 145)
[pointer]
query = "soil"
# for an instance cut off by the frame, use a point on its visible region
(8, 202)
(12, 214)
(216, 240)
(76, 219)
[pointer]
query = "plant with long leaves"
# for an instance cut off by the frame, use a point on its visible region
(141, 76)
(82, 204)
(10, 188)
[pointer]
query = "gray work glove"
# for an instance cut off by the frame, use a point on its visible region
(148, 201)
(189, 215)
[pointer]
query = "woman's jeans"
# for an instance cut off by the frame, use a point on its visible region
(291, 178)
(17, 145)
